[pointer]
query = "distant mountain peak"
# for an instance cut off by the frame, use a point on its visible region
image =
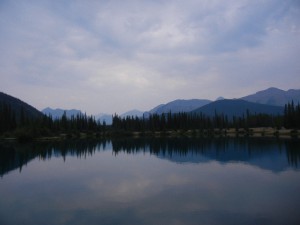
(273, 88)
(133, 113)
(238, 107)
(220, 98)
(179, 105)
(57, 113)
(274, 96)
(270, 90)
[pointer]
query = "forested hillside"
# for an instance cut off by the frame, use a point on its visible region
(18, 119)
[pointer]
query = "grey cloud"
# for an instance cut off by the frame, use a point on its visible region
(147, 49)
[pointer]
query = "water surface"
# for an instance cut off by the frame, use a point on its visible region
(151, 181)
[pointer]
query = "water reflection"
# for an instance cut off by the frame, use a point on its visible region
(151, 181)
(15, 155)
(271, 154)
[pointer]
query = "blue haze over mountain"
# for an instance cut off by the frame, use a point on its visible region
(58, 113)
(238, 107)
(103, 117)
(270, 101)
(179, 105)
(134, 113)
(266, 99)
(274, 96)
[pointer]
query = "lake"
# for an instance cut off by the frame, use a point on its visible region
(151, 181)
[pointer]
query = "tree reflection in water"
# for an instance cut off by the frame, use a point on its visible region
(194, 150)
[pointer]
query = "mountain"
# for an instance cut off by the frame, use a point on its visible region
(134, 113)
(104, 117)
(108, 117)
(179, 105)
(57, 113)
(220, 98)
(274, 96)
(238, 107)
(17, 105)
(155, 109)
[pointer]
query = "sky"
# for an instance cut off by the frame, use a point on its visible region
(111, 56)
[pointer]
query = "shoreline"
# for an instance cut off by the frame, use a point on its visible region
(259, 132)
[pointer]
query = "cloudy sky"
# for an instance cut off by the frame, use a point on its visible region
(114, 56)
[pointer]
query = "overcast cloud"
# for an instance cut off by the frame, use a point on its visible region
(113, 56)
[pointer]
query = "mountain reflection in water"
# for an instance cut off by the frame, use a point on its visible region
(271, 154)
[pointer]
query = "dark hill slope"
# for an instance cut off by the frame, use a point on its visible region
(237, 107)
(17, 105)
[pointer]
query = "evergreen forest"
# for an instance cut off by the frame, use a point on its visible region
(17, 123)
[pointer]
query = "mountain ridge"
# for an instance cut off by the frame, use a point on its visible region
(274, 96)
(134, 113)
(58, 113)
(271, 96)
(238, 107)
(179, 105)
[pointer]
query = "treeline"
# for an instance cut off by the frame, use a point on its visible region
(192, 121)
(8, 119)
(188, 121)
(79, 122)
(22, 124)
(292, 115)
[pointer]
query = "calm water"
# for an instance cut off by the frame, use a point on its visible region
(151, 181)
